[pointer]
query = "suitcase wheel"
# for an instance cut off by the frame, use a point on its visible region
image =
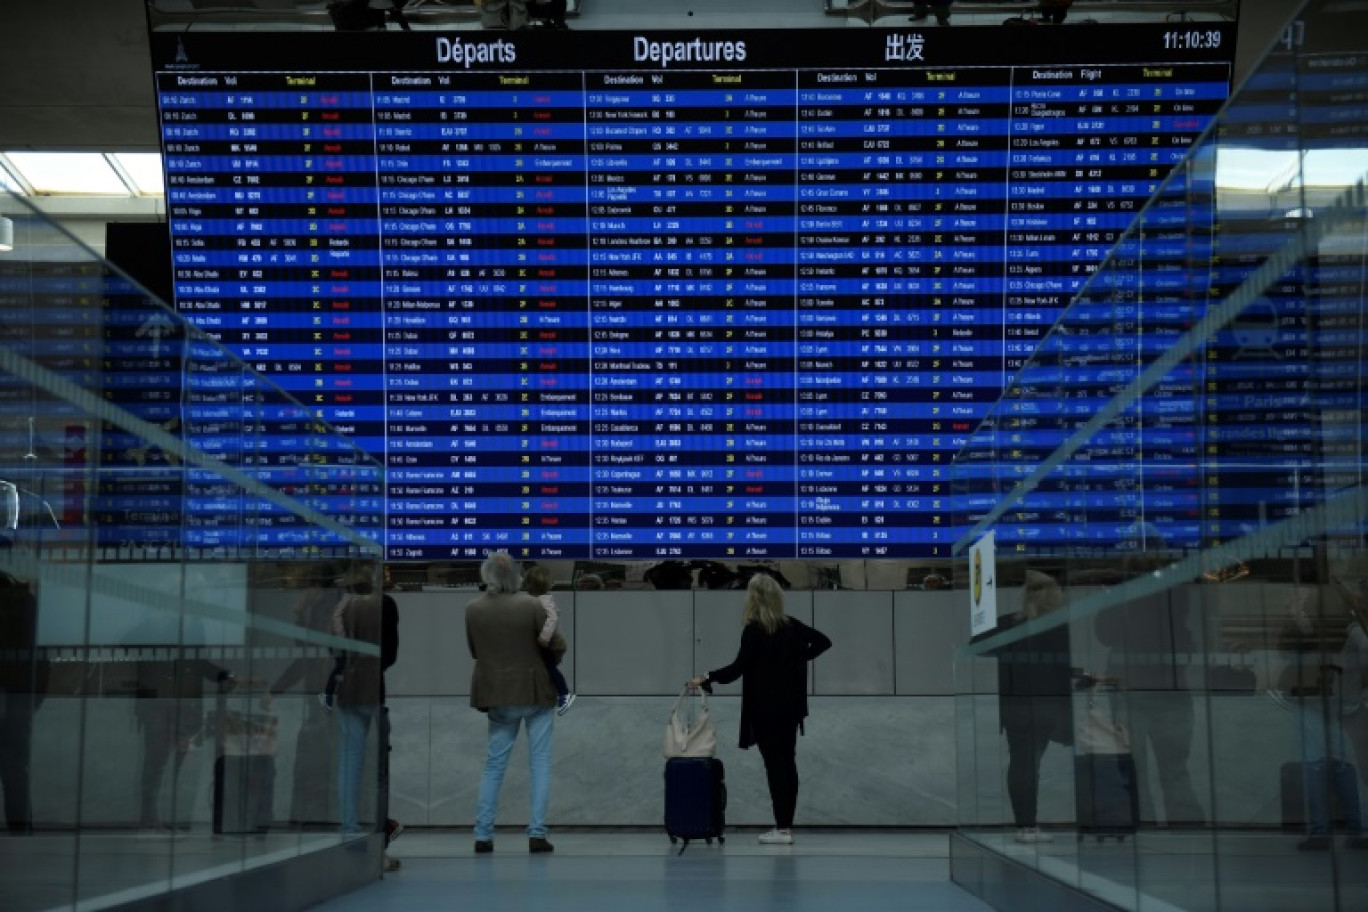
(1103, 837)
(674, 839)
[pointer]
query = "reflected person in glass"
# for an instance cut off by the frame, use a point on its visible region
(1034, 700)
(363, 616)
(170, 712)
(1153, 651)
(1311, 680)
(1353, 663)
(314, 780)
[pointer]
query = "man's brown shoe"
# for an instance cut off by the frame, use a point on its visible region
(539, 844)
(483, 845)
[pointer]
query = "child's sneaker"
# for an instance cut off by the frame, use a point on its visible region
(563, 704)
(325, 700)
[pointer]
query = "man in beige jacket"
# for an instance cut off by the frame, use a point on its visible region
(510, 682)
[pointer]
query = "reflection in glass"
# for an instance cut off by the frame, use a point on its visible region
(1223, 436)
(148, 557)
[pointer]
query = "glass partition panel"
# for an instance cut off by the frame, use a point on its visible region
(1183, 459)
(177, 535)
(46, 319)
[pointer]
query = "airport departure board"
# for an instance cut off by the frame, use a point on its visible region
(622, 295)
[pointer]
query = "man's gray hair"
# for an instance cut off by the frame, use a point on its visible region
(500, 573)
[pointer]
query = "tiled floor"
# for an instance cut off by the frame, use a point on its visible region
(639, 871)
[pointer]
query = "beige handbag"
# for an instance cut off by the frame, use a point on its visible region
(690, 734)
(1099, 734)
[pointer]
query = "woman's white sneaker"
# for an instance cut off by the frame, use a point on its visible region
(777, 837)
(1029, 835)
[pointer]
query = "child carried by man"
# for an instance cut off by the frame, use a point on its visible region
(538, 582)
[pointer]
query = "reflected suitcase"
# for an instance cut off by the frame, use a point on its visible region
(244, 770)
(695, 799)
(244, 792)
(313, 785)
(1105, 794)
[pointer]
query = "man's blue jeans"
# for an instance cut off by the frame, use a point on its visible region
(355, 722)
(503, 732)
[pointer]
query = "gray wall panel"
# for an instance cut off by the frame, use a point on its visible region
(904, 777)
(433, 656)
(411, 760)
(459, 736)
(927, 628)
(860, 660)
(717, 624)
(633, 643)
(566, 604)
(717, 629)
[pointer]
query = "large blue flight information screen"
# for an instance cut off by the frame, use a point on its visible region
(622, 295)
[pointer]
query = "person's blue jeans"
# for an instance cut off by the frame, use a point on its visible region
(503, 732)
(1343, 781)
(355, 722)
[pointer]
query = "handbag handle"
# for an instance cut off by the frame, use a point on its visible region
(702, 694)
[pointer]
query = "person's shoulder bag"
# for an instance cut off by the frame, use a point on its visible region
(690, 733)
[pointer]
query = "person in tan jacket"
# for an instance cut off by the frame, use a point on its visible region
(511, 684)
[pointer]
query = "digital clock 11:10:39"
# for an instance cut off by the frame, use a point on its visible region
(1192, 40)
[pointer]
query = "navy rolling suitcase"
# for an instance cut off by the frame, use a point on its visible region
(695, 799)
(1105, 791)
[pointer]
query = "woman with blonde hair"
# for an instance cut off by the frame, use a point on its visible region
(772, 665)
